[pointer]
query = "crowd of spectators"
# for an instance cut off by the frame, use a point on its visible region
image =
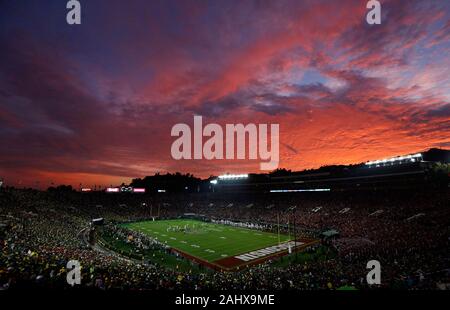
(407, 232)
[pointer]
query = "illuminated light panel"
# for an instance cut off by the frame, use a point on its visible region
(112, 190)
(300, 190)
(85, 189)
(233, 176)
(411, 158)
(138, 190)
(161, 190)
(213, 181)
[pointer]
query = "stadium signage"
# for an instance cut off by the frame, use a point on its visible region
(125, 189)
(213, 148)
(138, 190)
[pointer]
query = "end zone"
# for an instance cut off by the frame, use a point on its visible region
(247, 259)
(261, 255)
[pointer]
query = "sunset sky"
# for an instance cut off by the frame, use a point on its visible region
(95, 103)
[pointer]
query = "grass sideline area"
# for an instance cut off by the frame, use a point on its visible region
(321, 253)
(207, 241)
(155, 256)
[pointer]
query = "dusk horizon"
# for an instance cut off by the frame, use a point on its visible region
(95, 103)
(224, 152)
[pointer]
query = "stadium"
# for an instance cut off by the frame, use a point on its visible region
(308, 230)
(208, 153)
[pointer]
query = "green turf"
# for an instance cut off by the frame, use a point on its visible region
(155, 256)
(207, 241)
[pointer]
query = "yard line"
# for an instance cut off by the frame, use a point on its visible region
(233, 242)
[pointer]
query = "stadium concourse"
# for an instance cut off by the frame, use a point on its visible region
(406, 230)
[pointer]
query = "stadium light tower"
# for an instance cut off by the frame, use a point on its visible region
(233, 176)
(395, 160)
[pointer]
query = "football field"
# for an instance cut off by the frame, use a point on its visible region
(209, 242)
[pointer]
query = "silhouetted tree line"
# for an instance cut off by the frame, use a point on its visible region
(169, 182)
(61, 188)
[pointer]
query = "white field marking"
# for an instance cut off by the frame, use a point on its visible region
(210, 251)
(267, 251)
(195, 246)
(164, 235)
(182, 241)
(173, 238)
(224, 255)
(222, 237)
(156, 232)
(258, 234)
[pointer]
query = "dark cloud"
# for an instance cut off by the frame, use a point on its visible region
(97, 102)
